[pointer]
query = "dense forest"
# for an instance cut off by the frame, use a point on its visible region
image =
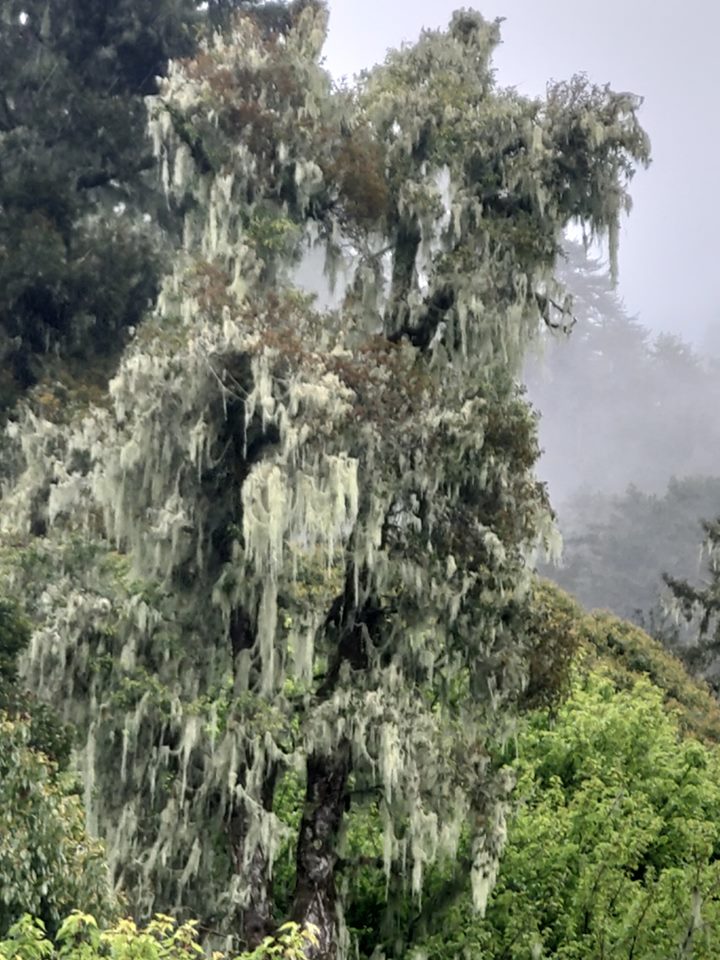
(282, 669)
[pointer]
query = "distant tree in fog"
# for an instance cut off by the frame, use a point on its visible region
(617, 547)
(618, 406)
(696, 601)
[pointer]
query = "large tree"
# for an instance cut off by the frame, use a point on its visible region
(292, 547)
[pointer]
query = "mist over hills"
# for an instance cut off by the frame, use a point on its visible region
(631, 445)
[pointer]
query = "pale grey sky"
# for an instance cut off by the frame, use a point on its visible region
(666, 52)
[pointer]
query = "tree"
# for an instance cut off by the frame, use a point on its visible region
(291, 546)
(79, 250)
(48, 864)
(697, 601)
(616, 547)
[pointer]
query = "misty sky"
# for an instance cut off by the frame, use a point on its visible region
(669, 255)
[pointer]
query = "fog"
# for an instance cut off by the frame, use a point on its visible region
(632, 454)
(666, 53)
(620, 403)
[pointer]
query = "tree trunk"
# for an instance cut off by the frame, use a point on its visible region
(315, 899)
(257, 915)
(407, 243)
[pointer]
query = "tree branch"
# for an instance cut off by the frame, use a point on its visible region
(100, 178)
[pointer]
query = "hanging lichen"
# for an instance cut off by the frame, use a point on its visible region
(295, 541)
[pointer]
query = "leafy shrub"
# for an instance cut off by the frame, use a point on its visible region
(613, 851)
(81, 938)
(48, 863)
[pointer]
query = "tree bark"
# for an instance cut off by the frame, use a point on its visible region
(315, 900)
(350, 629)
(257, 915)
(407, 244)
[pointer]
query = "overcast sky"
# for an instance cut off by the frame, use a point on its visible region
(668, 53)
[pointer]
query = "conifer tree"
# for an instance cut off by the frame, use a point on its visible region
(292, 548)
(78, 263)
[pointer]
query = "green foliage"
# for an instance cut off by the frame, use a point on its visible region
(291, 941)
(80, 937)
(627, 652)
(48, 863)
(613, 849)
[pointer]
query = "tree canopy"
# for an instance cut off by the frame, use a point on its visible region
(79, 238)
